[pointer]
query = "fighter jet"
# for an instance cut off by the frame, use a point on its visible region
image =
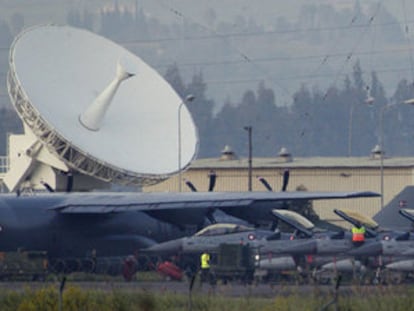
(271, 247)
(283, 255)
(394, 252)
(385, 249)
(212, 237)
(209, 239)
(322, 250)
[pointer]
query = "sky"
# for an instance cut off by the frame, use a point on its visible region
(44, 11)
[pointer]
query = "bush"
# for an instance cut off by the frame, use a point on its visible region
(76, 298)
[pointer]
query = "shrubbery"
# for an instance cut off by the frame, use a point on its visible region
(76, 299)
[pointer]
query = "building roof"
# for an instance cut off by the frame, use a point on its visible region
(308, 162)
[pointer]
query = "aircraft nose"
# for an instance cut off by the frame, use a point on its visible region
(369, 249)
(403, 265)
(301, 247)
(165, 248)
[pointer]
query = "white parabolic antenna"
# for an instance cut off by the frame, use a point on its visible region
(99, 108)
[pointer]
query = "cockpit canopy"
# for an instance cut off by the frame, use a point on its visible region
(295, 219)
(223, 228)
(358, 218)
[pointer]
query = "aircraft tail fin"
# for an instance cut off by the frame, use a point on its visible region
(389, 217)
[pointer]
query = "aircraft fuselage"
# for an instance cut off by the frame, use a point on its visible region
(30, 224)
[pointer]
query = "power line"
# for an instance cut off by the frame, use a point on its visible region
(257, 62)
(288, 59)
(334, 45)
(298, 77)
(257, 33)
(241, 53)
(408, 38)
(350, 54)
(282, 58)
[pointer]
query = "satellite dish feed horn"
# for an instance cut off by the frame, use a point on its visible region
(92, 117)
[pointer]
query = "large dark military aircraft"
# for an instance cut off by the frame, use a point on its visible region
(68, 225)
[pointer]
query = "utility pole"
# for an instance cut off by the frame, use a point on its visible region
(249, 132)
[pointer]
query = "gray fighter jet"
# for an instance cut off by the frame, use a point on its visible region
(210, 238)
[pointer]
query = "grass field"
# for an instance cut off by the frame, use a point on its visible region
(74, 298)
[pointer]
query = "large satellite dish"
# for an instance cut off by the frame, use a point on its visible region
(99, 108)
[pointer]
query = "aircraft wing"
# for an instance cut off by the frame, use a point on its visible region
(110, 202)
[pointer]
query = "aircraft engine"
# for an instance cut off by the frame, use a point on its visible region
(276, 263)
(402, 266)
(344, 265)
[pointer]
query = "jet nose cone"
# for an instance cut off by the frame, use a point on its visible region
(403, 265)
(369, 249)
(165, 248)
(301, 248)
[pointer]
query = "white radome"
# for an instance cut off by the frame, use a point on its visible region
(101, 102)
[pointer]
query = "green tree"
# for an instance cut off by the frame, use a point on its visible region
(398, 125)
(173, 76)
(202, 111)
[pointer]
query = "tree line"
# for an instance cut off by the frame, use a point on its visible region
(338, 121)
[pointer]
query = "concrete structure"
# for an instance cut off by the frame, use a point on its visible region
(314, 173)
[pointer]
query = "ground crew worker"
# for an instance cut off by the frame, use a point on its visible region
(358, 234)
(205, 266)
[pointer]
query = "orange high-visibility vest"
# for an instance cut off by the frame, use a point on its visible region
(358, 234)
